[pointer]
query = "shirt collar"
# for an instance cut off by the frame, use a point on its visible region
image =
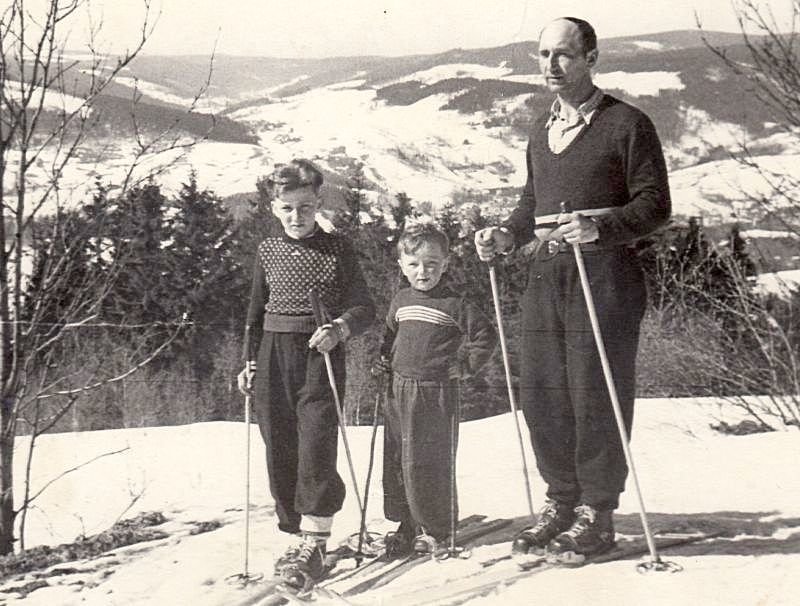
(586, 110)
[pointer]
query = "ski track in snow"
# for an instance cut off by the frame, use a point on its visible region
(196, 473)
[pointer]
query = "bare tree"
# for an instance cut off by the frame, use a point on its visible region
(47, 109)
(771, 64)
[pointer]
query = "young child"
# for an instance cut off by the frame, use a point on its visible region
(436, 338)
(283, 352)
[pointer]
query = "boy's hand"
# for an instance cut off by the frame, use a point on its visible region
(244, 380)
(325, 338)
(381, 367)
(461, 370)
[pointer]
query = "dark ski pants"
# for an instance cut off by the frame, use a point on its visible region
(296, 414)
(563, 392)
(419, 439)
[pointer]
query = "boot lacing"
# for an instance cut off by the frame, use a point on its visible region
(548, 512)
(306, 550)
(586, 516)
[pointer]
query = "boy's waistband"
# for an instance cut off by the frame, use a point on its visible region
(282, 323)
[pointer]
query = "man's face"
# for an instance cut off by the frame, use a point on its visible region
(296, 210)
(424, 267)
(563, 62)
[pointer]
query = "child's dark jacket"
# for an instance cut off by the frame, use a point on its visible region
(438, 335)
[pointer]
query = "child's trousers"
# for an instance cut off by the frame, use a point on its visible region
(296, 414)
(417, 461)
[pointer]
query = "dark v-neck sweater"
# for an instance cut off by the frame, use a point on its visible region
(615, 161)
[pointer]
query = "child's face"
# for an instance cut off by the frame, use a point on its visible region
(424, 267)
(296, 210)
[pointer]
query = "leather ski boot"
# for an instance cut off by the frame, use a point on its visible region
(400, 543)
(308, 566)
(529, 545)
(592, 533)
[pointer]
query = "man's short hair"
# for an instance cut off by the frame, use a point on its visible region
(588, 35)
(298, 173)
(417, 235)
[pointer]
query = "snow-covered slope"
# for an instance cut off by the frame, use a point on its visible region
(689, 474)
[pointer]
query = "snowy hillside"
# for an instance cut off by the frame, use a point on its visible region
(435, 126)
(740, 486)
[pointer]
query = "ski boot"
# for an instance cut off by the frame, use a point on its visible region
(289, 555)
(592, 533)
(529, 545)
(400, 543)
(426, 544)
(308, 565)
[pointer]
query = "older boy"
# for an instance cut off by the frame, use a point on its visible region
(436, 337)
(293, 401)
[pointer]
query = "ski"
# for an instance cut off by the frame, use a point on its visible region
(381, 560)
(491, 578)
(387, 575)
(274, 591)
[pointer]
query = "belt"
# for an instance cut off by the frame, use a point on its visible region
(557, 219)
(553, 247)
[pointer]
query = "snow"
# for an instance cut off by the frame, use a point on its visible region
(726, 190)
(769, 233)
(401, 146)
(428, 153)
(162, 93)
(638, 84)
(53, 100)
(196, 473)
(648, 44)
(456, 70)
(227, 168)
(782, 283)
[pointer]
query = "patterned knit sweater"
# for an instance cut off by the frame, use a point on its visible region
(437, 335)
(284, 272)
(615, 161)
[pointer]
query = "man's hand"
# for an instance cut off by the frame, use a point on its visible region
(244, 380)
(492, 241)
(577, 230)
(325, 338)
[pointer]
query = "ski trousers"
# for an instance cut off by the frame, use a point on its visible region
(563, 392)
(296, 414)
(417, 462)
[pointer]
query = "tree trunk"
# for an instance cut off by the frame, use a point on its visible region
(7, 514)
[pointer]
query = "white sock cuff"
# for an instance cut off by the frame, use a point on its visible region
(316, 524)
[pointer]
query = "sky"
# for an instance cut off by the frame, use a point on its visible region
(324, 28)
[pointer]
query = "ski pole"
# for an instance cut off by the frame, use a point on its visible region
(455, 417)
(245, 577)
(655, 563)
(316, 307)
(507, 366)
(247, 487)
(362, 532)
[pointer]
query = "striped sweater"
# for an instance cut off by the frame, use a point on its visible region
(437, 334)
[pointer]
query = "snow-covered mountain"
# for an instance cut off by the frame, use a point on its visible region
(438, 126)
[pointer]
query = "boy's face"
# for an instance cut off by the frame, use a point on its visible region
(296, 210)
(424, 267)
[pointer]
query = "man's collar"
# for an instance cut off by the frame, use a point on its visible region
(586, 109)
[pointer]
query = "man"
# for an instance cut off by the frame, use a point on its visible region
(597, 179)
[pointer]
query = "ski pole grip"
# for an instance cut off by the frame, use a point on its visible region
(316, 307)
